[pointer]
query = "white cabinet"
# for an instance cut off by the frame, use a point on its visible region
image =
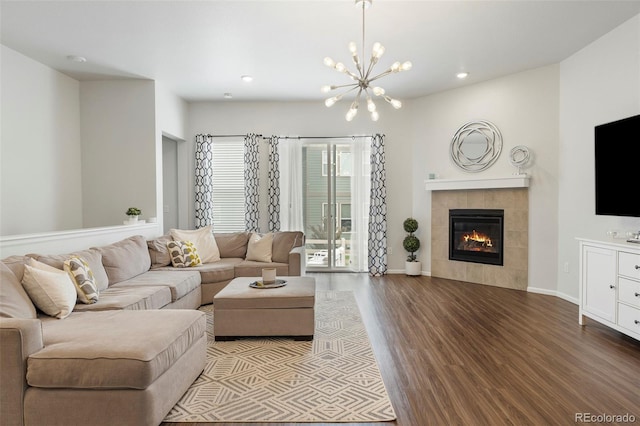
(610, 285)
(599, 276)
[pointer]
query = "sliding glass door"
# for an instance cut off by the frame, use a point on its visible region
(333, 194)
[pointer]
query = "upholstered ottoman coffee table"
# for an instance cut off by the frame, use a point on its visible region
(243, 311)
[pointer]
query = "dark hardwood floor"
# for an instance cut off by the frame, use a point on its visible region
(455, 353)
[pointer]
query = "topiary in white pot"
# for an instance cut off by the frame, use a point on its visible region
(411, 243)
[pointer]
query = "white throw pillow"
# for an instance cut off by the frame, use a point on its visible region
(202, 239)
(259, 247)
(50, 289)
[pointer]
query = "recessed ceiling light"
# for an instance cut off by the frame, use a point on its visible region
(228, 95)
(246, 78)
(462, 75)
(75, 58)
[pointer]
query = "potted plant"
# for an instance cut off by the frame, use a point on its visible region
(133, 213)
(411, 243)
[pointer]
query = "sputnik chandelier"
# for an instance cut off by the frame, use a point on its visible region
(363, 78)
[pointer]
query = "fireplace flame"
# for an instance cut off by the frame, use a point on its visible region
(482, 239)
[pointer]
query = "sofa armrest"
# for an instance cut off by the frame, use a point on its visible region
(19, 338)
(297, 261)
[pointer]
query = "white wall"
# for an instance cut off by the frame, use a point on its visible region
(314, 119)
(599, 84)
(171, 113)
(524, 107)
(40, 176)
(119, 150)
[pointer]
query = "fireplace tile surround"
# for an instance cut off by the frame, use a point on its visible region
(515, 203)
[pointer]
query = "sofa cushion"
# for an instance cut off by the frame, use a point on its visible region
(125, 259)
(140, 347)
(179, 282)
(203, 239)
(83, 279)
(223, 270)
(92, 256)
(233, 244)
(283, 243)
(14, 300)
(158, 251)
(259, 247)
(251, 268)
(183, 254)
(16, 264)
(51, 289)
(129, 298)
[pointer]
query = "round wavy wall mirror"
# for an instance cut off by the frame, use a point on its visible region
(476, 146)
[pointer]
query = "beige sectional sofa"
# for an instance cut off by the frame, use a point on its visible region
(129, 357)
(287, 256)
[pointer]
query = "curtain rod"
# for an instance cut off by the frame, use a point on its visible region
(325, 137)
(229, 136)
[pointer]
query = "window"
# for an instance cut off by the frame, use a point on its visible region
(344, 165)
(228, 186)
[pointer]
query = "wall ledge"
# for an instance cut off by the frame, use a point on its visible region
(72, 240)
(515, 181)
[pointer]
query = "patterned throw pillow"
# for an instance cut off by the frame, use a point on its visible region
(81, 275)
(183, 254)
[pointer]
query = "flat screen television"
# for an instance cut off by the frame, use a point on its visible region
(617, 167)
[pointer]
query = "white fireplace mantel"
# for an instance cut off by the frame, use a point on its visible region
(514, 181)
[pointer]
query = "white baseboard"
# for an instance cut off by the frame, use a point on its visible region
(401, 271)
(548, 292)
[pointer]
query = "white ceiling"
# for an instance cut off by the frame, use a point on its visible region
(199, 49)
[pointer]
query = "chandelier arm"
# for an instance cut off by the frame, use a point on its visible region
(371, 65)
(382, 74)
(344, 85)
(355, 86)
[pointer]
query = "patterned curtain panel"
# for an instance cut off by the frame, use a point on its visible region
(204, 181)
(274, 185)
(251, 182)
(378, 209)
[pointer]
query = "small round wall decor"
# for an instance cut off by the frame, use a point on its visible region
(476, 146)
(519, 157)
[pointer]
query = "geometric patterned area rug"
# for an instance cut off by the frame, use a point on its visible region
(334, 378)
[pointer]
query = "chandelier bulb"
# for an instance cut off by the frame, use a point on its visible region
(340, 67)
(378, 91)
(375, 115)
(378, 50)
(351, 114)
(370, 105)
(327, 89)
(353, 48)
(396, 103)
(331, 101)
(407, 66)
(329, 62)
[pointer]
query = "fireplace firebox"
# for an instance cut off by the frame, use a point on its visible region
(476, 235)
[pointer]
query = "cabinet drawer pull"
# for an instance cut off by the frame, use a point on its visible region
(637, 294)
(612, 286)
(636, 321)
(637, 266)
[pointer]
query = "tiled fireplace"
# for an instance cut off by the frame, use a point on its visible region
(509, 269)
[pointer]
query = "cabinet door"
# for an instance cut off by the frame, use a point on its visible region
(599, 281)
